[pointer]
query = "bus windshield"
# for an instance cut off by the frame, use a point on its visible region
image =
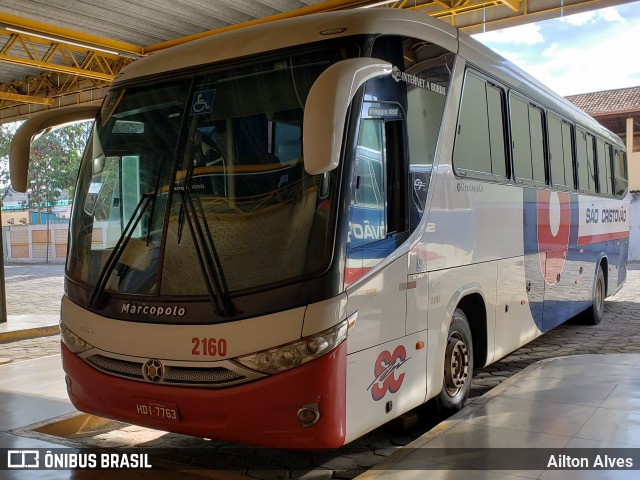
(195, 185)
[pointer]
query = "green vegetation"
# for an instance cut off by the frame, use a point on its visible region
(53, 168)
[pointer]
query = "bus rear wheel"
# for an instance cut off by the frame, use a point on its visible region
(594, 314)
(458, 365)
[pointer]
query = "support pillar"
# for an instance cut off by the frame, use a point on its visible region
(3, 297)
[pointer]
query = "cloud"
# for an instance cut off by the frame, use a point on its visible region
(574, 69)
(524, 34)
(578, 60)
(609, 14)
(579, 19)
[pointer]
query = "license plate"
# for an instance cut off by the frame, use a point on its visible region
(157, 409)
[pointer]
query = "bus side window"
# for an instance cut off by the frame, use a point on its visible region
(591, 162)
(569, 156)
(537, 143)
(368, 212)
(379, 186)
(425, 110)
(527, 140)
(585, 146)
(621, 179)
(480, 148)
(604, 167)
(560, 152)
(609, 166)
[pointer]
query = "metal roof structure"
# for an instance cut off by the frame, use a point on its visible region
(60, 52)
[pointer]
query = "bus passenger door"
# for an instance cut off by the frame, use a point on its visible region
(377, 226)
(384, 372)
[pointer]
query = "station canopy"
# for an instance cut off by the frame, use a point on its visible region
(55, 53)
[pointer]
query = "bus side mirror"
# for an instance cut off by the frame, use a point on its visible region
(326, 109)
(33, 128)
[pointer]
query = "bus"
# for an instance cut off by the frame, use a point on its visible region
(287, 235)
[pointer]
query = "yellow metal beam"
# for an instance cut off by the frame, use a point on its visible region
(457, 8)
(14, 97)
(48, 55)
(29, 62)
(66, 34)
(512, 4)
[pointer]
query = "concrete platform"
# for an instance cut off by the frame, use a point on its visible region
(559, 406)
(21, 327)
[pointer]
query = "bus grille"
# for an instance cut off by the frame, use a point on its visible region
(175, 374)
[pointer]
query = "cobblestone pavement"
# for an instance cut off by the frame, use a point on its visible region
(34, 289)
(619, 332)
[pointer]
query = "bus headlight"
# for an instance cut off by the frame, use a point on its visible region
(72, 341)
(285, 357)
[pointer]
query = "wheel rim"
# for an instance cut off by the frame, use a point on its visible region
(599, 294)
(456, 364)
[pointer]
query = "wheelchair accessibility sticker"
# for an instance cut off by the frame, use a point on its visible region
(203, 102)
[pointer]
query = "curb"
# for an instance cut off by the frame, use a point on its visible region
(28, 333)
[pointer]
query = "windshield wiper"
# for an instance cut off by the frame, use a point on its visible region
(206, 252)
(181, 214)
(144, 202)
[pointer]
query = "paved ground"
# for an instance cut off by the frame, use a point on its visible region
(619, 332)
(34, 289)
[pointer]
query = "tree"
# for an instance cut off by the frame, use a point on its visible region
(54, 163)
(6, 134)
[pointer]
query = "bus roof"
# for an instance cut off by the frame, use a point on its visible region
(293, 31)
(279, 34)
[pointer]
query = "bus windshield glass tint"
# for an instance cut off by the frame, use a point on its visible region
(196, 185)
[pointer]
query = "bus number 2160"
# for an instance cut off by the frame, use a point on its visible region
(209, 346)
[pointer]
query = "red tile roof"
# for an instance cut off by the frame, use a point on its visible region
(608, 101)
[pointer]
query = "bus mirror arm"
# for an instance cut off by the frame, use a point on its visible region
(33, 128)
(326, 109)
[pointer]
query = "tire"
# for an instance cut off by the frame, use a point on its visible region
(593, 315)
(458, 365)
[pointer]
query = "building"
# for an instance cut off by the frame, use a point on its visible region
(619, 111)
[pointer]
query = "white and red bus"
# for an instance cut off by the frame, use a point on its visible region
(288, 234)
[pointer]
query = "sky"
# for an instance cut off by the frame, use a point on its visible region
(582, 53)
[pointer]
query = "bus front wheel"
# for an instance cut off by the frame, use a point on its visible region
(458, 365)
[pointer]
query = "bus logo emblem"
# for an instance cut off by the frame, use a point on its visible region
(153, 371)
(385, 371)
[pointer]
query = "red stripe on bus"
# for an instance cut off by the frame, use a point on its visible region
(602, 237)
(352, 274)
